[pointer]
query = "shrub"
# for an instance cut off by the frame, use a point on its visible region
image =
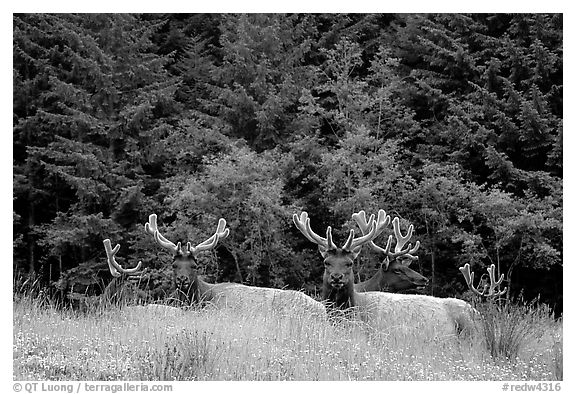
(507, 328)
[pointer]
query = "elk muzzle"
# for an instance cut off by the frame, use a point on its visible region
(337, 280)
(183, 280)
(422, 283)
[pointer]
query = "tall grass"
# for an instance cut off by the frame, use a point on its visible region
(509, 329)
(145, 343)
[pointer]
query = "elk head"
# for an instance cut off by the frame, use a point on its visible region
(115, 268)
(395, 274)
(338, 279)
(489, 290)
(184, 265)
(120, 290)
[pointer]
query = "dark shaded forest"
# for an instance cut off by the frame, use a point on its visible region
(451, 122)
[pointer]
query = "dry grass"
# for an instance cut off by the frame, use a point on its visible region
(145, 344)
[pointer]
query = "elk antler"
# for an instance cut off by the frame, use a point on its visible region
(221, 233)
(115, 268)
(373, 229)
(401, 241)
(151, 227)
(303, 224)
(352, 244)
(383, 221)
(489, 291)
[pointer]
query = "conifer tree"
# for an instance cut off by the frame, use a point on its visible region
(90, 98)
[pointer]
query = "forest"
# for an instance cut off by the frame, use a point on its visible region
(452, 122)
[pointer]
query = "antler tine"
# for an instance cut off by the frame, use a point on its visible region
(221, 233)
(303, 224)
(151, 228)
(300, 223)
(204, 245)
(357, 242)
(484, 283)
(360, 219)
(115, 268)
(469, 278)
(382, 221)
(325, 242)
(401, 241)
(221, 230)
(329, 241)
(349, 241)
(388, 246)
(495, 283)
(409, 254)
(385, 251)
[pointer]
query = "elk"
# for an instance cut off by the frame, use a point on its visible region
(459, 311)
(192, 289)
(184, 264)
(489, 290)
(439, 316)
(122, 289)
(394, 274)
(338, 279)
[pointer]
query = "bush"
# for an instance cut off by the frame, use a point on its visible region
(507, 328)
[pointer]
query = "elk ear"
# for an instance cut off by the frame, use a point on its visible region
(385, 263)
(407, 262)
(323, 251)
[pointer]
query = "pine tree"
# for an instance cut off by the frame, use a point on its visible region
(261, 76)
(90, 98)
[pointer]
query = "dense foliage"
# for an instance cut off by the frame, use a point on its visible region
(452, 122)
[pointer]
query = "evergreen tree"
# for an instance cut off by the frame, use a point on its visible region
(453, 122)
(261, 76)
(90, 97)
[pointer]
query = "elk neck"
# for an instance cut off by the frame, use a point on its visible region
(204, 290)
(342, 298)
(376, 283)
(197, 292)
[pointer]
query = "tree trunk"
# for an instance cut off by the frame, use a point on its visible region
(509, 281)
(432, 276)
(511, 268)
(238, 272)
(31, 256)
(498, 276)
(31, 210)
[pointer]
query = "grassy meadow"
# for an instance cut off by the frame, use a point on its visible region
(140, 343)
